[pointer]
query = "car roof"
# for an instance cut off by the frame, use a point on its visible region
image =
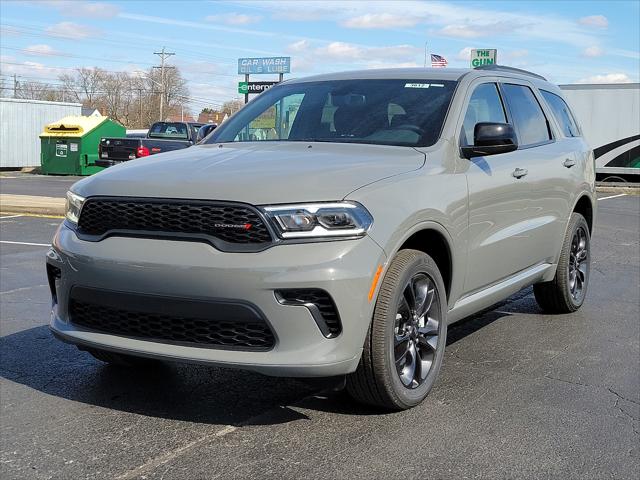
(389, 73)
(453, 74)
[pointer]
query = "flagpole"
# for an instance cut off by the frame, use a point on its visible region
(425, 54)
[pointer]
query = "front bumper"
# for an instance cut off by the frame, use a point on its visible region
(198, 271)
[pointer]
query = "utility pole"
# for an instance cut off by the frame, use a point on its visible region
(163, 55)
(15, 86)
(140, 106)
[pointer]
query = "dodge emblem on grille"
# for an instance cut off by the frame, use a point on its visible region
(245, 226)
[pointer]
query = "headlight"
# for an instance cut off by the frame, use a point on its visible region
(318, 220)
(74, 205)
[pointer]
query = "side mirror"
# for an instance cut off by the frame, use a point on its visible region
(491, 139)
(204, 131)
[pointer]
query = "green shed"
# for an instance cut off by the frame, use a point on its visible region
(70, 146)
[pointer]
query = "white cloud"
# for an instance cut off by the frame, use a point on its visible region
(299, 46)
(348, 52)
(464, 54)
(234, 18)
(70, 30)
(83, 9)
(607, 78)
(518, 53)
(381, 20)
(459, 20)
(29, 69)
(461, 31)
(477, 30)
(597, 21)
(593, 51)
(40, 50)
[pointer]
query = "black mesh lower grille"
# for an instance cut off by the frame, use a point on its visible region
(231, 223)
(198, 332)
(321, 300)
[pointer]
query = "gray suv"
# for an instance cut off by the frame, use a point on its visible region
(333, 227)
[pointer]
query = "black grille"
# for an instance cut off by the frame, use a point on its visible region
(231, 223)
(239, 333)
(328, 321)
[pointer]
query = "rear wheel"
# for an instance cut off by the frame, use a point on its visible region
(405, 343)
(566, 292)
(121, 360)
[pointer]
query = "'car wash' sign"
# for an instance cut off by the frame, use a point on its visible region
(487, 56)
(254, 87)
(253, 66)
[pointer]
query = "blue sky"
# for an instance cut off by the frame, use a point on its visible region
(568, 42)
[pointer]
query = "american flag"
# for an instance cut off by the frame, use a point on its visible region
(438, 61)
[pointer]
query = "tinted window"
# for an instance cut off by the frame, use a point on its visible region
(562, 113)
(484, 106)
(384, 112)
(177, 130)
(530, 122)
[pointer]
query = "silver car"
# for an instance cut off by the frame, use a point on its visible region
(333, 227)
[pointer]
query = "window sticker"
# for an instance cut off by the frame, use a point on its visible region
(74, 147)
(416, 85)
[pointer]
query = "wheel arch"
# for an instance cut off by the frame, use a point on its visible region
(434, 240)
(584, 206)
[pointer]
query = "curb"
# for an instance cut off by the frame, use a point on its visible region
(31, 204)
(634, 190)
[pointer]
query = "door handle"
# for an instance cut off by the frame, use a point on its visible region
(520, 172)
(569, 162)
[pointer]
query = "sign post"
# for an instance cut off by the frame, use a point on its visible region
(246, 94)
(487, 56)
(261, 66)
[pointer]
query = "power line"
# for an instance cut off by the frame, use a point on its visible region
(163, 56)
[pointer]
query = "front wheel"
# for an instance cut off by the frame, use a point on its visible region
(566, 292)
(405, 343)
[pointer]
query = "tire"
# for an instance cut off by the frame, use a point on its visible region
(121, 360)
(567, 291)
(383, 377)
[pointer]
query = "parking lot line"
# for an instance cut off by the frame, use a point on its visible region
(168, 456)
(26, 243)
(2, 217)
(612, 196)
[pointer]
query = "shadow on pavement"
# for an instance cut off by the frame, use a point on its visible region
(195, 393)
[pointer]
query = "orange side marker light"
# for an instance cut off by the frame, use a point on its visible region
(374, 283)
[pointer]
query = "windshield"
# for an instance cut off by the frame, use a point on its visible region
(176, 130)
(383, 112)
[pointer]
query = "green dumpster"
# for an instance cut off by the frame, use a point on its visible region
(70, 146)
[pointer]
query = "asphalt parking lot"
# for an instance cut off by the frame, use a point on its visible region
(18, 183)
(521, 394)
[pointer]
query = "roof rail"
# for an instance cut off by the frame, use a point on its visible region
(502, 68)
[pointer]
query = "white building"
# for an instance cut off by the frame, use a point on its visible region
(22, 121)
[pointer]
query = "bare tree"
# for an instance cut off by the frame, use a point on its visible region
(38, 91)
(133, 100)
(85, 85)
(232, 106)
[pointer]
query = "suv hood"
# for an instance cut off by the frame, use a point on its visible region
(256, 173)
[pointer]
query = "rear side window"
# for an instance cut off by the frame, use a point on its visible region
(529, 119)
(484, 106)
(562, 113)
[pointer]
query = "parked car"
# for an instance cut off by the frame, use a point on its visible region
(161, 137)
(390, 204)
